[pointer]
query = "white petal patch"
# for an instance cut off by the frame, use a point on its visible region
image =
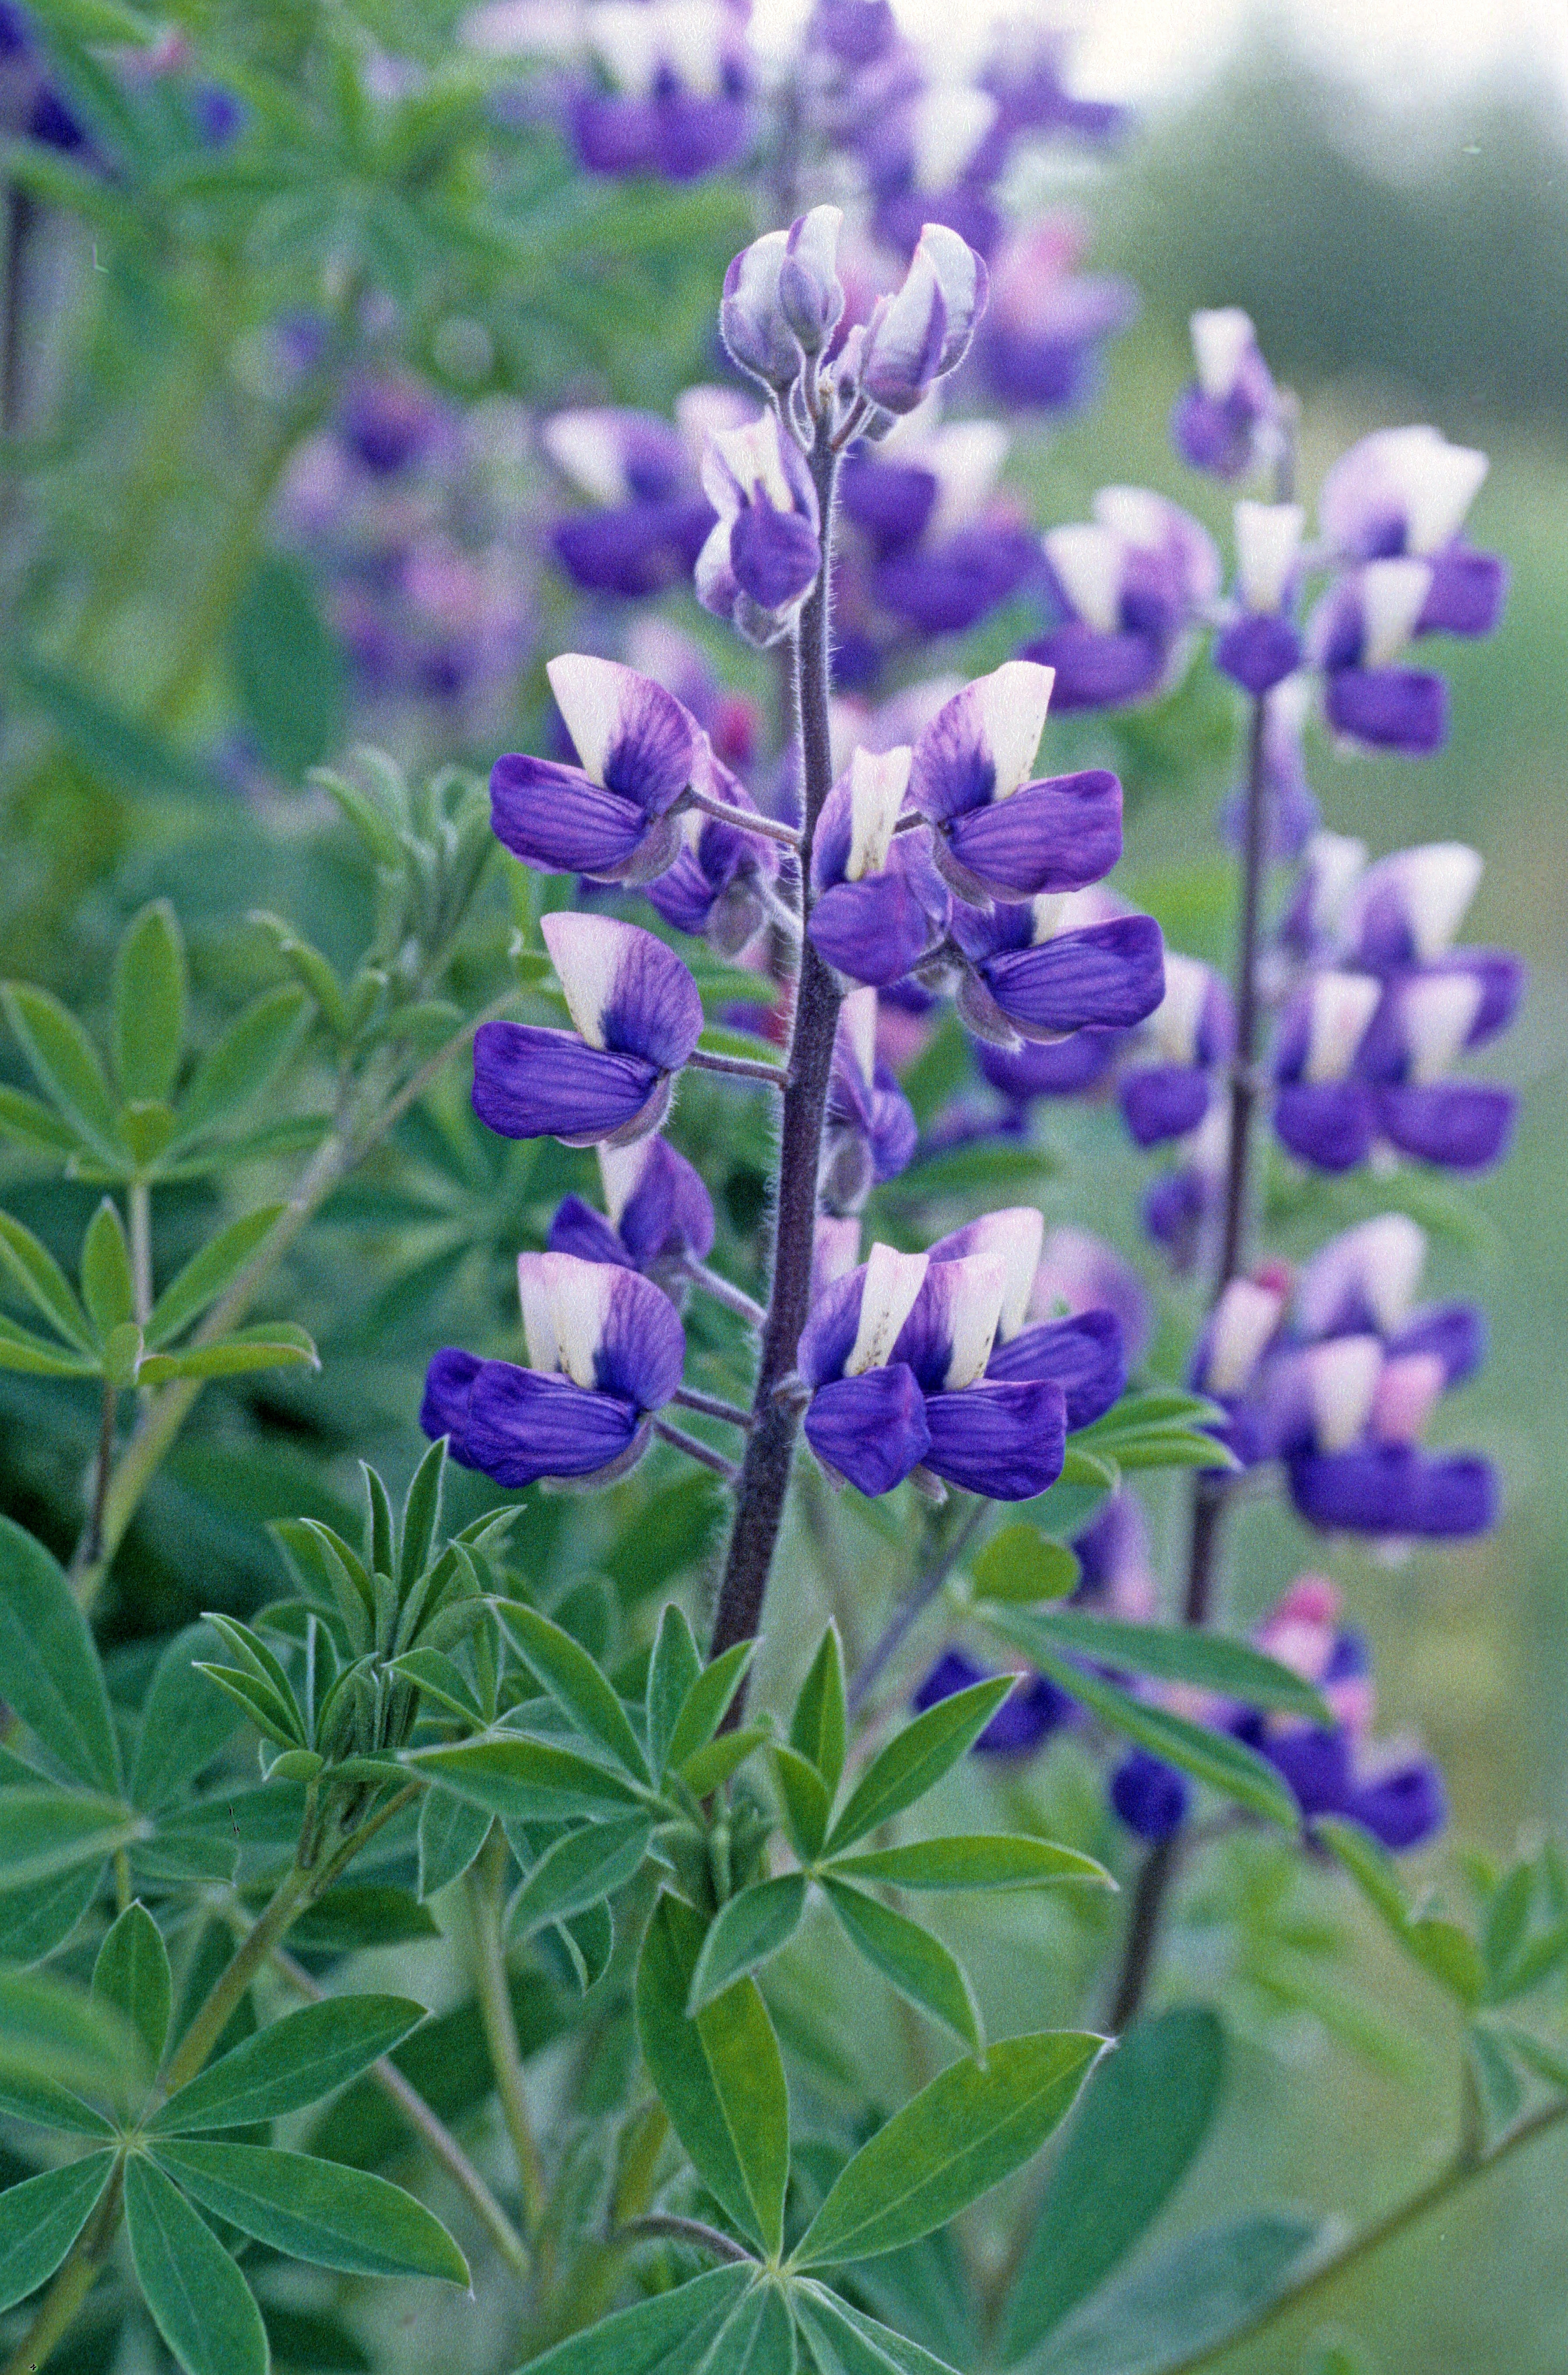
(893, 1281)
(621, 1169)
(1269, 542)
(586, 448)
(857, 1017)
(1048, 911)
(949, 124)
(1408, 1391)
(1439, 483)
(1087, 558)
(877, 787)
(965, 458)
(1014, 1238)
(590, 695)
(625, 36)
(835, 1247)
(1335, 863)
(579, 1296)
(1135, 515)
(977, 1286)
(586, 952)
(1341, 1387)
(1220, 341)
(1435, 884)
(752, 456)
(1342, 1004)
(1392, 597)
(1244, 1318)
(700, 412)
(1012, 702)
(538, 1325)
(694, 36)
(1176, 1022)
(1383, 1258)
(1437, 1012)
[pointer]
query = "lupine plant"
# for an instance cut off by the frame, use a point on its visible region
(547, 1880)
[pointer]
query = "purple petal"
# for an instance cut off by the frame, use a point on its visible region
(1259, 652)
(894, 1131)
(1110, 974)
(1395, 1490)
(872, 1429)
(1393, 709)
(1062, 1068)
(1032, 1711)
(634, 550)
(578, 1229)
(829, 1335)
(625, 988)
(1328, 1124)
(1404, 1808)
(1150, 1797)
(1083, 1356)
(683, 895)
(873, 930)
(775, 555)
(947, 588)
(444, 1409)
(669, 1213)
(1315, 1766)
(530, 1083)
(889, 501)
(555, 819)
(522, 1426)
(1463, 1125)
(643, 1346)
(1096, 671)
(1006, 1441)
(1467, 594)
(1161, 1101)
(1060, 834)
(1455, 1331)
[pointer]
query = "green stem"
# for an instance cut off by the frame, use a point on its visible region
(1460, 2171)
(484, 1882)
(430, 2128)
(138, 1202)
(259, 1945)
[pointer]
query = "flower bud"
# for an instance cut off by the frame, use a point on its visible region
(751, 319)
(923, 332)
(810, 294)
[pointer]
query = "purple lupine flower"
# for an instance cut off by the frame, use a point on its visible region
(871, 1133)
(852, 32)
(610, 817)
(1080, 1350)
(390, 420)
(1313, 926)
(1058, 1068)
(1346, 1413)
(1229, 420)
(1116, 1574)
(660, 1216)
(720, 884)
(605, 1350)
(1078, 1271)
(1261, 647)
(730, 719)
(653, 518)
(895, 1355)
(1023, 1723)
(1033, 971)
(1039, 347)
(1398, 491)
(1189, 1035)
(762, 556)
(1026, 80)
(1128, 586)
(922, 332)
(671, 90)
(1354, 635)
(932, 153)
(783, 298)
(1150, 1796)
(879, 906)
(945, 550)
(637, 1017)
(996, 833)
(1229, 1363)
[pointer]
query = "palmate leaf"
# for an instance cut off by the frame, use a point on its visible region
(917, 1759)
(844, 2341)
(66, 1066)
(666, 2336)
(50, 1673)
(672, 1670)
(985, 1860)
(719, 2075)
(292, 2062)
(575, 1681)
(208, 1274)
(132, 1974)
(184, 1722)
(744, 1933)
(150, 1003)
(41, 1916)
(452, 1832)
(45, 1832)
(973, 2126)
(525, 1780)
(107, 1293)
(1188, 2301)
(911, 1957)
(314, 2210)
(238, 1067)
(1174, 1653)
(707, 1703)
(52, 2029)
(581, 1870)
(35, 1356)
(200, 2303)
(40, 2218)
(817, 1726)
(1021, 1564)
(1143, 2116)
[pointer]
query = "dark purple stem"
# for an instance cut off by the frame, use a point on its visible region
(770, 1450)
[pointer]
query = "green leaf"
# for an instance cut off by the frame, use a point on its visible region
(672, 1670)
(1082, 1469)
(803, 1796)
(844, 2342)
(1144, 2114)
(525, 1780)
(1021, 1564)
(1507, 1919)
(277, 1719)
(917, 1759)
(292, 2062)
(452, 1832)
(271, 1344)
(200, 2302)
(744, 1933)
(1548, 2060)
(107, 1293)
(29, 1122)
(45, 1283)
(1166, 1447)
(1185, 2303)
(47, 1831)
(50, 1675)
(358, 1914)
(1174, 1653)
(65, 1064)
(35, 1356)
(286, 668)
(973, 2126)
(421, 1516)
(1370, 1865)
(707, 1702)
(317, 2210)
(35, 1920)
(711, 1766)
(1535, 1961)
(1225, 1764)
(40, 2218)
(132, 1974)
(51, 2028)
(123, 1354)
(818, 1728)
(149, 1004)
(719, 2076)
(44, 2103)
(441, 1678)
(584, 1868)
(985, 1859)
(184, 1722)
(587, 1940)
(239, 1067)
(667, 2335)
(575, 1681)
(1448, 1954)
(1502, 2088)
(209, 1273)
(908, 1956)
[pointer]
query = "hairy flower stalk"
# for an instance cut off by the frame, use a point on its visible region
(770, 1450)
